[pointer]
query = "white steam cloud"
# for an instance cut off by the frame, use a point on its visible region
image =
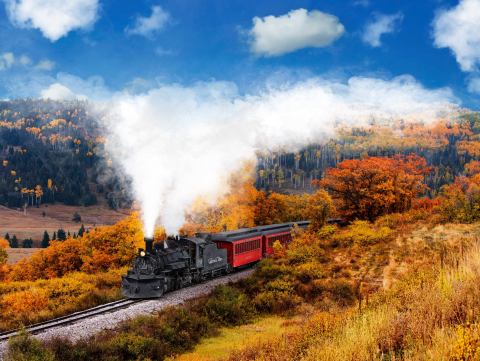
(180, 142)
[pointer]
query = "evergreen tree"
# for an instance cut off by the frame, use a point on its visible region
(68, 234)
(14, 242)
(45, 240)
(81, 231)
(7, 237)
(54, 237)
(27, 243)
(61, 235)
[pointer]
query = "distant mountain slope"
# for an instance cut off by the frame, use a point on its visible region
(49, 152)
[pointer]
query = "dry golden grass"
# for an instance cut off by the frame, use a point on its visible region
(16, 254)
(33, 224)
(219, 347)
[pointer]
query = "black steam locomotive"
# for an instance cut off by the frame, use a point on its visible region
(181, 261)
(173, 264)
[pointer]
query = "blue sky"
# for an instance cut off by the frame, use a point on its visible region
(113, 45)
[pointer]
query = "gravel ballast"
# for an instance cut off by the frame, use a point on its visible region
(88, 327)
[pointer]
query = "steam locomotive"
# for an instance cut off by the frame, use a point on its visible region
(181, 261)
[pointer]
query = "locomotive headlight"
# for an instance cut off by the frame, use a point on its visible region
(142, 253)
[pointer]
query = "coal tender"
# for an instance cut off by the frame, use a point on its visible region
(172, 264)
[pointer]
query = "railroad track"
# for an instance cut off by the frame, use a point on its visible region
(63, 320)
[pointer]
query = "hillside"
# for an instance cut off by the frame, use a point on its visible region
(52, 217)
(53, 152)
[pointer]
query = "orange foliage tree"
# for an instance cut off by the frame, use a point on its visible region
(277, 208)
(460, 201)
(101, 249)
(3, 256)
(319, 208)
(472, 167)
(373, 186)
(3, 243)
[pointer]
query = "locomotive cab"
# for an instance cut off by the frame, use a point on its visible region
(205, 255)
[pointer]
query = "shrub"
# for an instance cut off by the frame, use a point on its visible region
(77, 217)
(26, 348)
(309, 271)
(177, 329)
(364, 233)
(228, 306)
(342, 292)
(66, 350)
(327, 231)
(127, 346)
(466, 345)
(276, 301)
(3, 256)
(33, 301)
(269, 269)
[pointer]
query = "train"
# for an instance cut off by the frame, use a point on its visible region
(179, 262)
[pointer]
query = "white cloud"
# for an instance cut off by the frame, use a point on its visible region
(7, 60)
(458, 28)
(66, 86)
(57, 91)
(364, 3)
(25, 60)
(160, 51)
(149, 25)
(278, 35)
(54, 18)
(474, 85)
(380, 25)
(45, 65)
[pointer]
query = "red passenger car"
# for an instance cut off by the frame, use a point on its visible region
(244, 246)
(249, 245)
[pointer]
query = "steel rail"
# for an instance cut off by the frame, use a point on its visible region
(73, 317)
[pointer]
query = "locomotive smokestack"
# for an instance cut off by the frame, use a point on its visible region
(149, 245)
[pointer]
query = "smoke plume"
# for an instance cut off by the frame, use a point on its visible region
(180, 142)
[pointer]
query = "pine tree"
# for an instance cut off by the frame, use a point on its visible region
(14, 242)
(45, 240)
(7, 237)
(61, 235)
(68, 234)
(27, 243)
(81, 231)
(54, 237)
